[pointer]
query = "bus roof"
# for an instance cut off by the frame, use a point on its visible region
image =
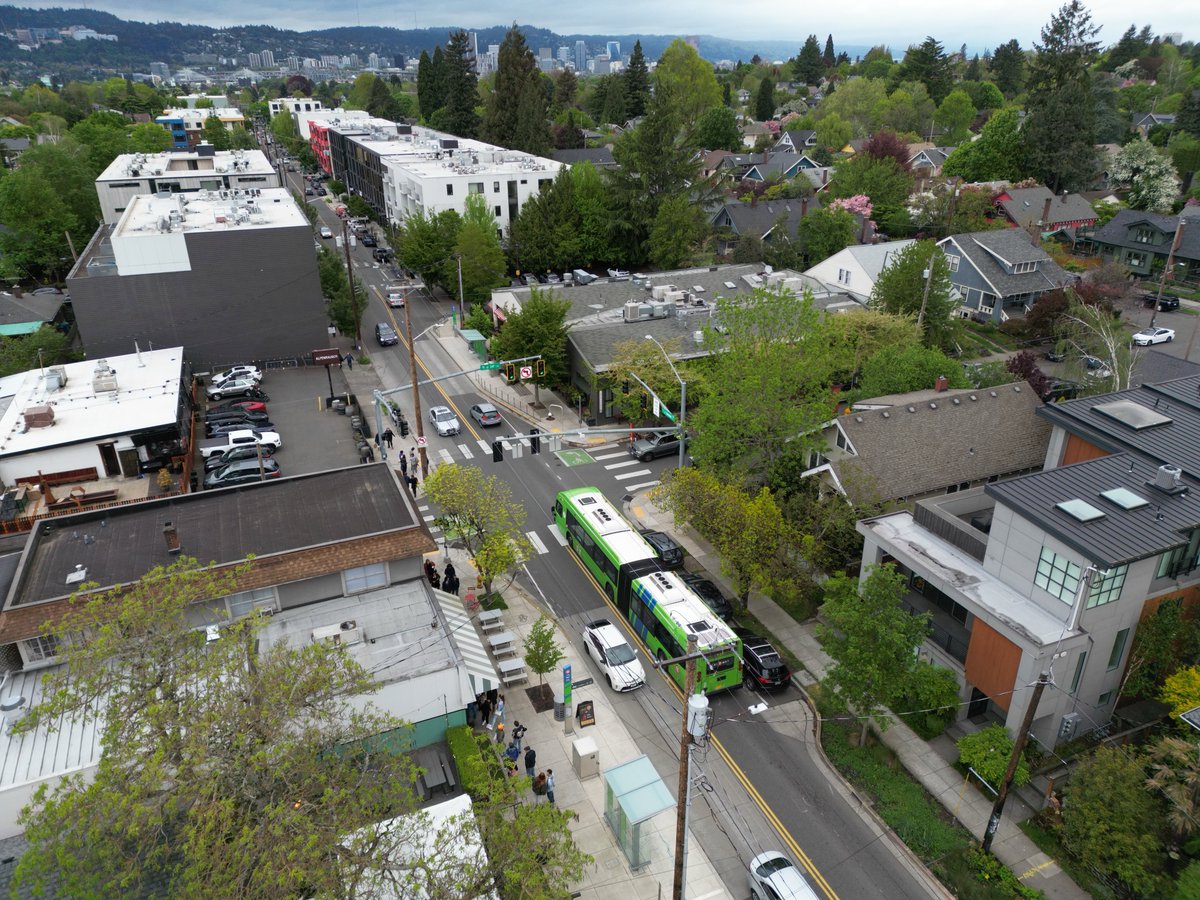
(604, 519)
(667, 591)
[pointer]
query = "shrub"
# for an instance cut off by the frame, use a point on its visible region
(988, 752)
(998, 876)
(478, 767)
(933, 690)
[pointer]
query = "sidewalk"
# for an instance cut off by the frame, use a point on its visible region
(609, 876)
(931, 764)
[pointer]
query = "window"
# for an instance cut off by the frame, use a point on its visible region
(495, 187)
(1179, 561)
(449, 190)
(1118, 649)
(1022, 267)
(1105, 698)
(365, 578)
(1058, 576)
(1107, 588)
(497, 212)
(1078, 676)
(41, 648)
(1136, 260)
(475, 187)
(954, 261)
(1143, 236)
(247, 601)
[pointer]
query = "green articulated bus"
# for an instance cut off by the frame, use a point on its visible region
(661, 608)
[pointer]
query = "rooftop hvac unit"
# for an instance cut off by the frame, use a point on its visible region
(635, 312)
(104, 378)
(1167, 477)
(346, 633)
(56, 378)
(662, 310)
(39, 416)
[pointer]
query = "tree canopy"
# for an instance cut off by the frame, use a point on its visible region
(538, 329)
(517, 110)
(900, 290)
(689, 78)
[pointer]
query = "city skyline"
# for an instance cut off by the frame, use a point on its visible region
(858, 22)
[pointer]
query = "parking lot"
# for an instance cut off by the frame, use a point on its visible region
(314, 438)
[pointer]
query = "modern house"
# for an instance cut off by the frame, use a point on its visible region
(1000, 274)
(854, 269)
(1038, 207)
(884, 450)
(214, 271)
(1143, 241)
(337, 557)
(201, 169)
(187, 125)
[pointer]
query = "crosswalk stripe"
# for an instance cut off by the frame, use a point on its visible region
(428, 518)
(536, 541)
(638, 487)
(484, 446)
(558, 535)
(621, 476)
(609, 455)
(445, 455)
(466, 451)
(621, 465)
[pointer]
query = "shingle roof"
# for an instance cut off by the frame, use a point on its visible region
(1116, 232)
(760, 218)
(1119, 535)
(983, 247)
(1025, 207)
(924, 446)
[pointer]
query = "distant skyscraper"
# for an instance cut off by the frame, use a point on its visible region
(254, 60)
(580, 56)
(564, 55)
(373, 60)
(293, 62)
(614, 50)
(268, 58)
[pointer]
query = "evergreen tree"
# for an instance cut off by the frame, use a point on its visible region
(517, 109)
(566, 86)
(809, 65)
(928, 64)
(381, 103)
(1188, 118)
(974, 71)
(615, 109)
(1060, 120)
(637, 83)
(1008, 68)
(425, 86)
(828, 57)
(461, 92)
(437, 80)
(764, 100)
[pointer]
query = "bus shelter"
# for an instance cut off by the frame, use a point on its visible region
(633, 795)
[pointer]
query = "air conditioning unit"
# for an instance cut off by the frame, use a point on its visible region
(345, 633)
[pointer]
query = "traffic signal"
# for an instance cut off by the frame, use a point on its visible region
(625, 386)
(510, 372)
(540, 368)
(403, 428)
(535, 442)
(497, 451)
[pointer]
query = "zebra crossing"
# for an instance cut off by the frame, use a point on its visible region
(535, 537)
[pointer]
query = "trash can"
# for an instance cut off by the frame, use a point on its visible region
(585, 757)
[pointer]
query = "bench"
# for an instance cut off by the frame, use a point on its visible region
(448, 771)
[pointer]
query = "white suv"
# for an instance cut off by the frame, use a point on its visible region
(608, 647)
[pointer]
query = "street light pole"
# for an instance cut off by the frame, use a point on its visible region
(682, 399)
(378, 394)
(350, 276)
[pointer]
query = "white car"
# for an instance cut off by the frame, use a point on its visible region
(775, 877)
(395, 297)
(238, 372)
(1148, 336)
(326, 231)
(612, 653)
(444, 420)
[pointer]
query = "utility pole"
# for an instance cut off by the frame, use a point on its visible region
(1018, 746)
(1167, 268)
(350, 276)
(419, 422)
(685, 765)
(928, 284)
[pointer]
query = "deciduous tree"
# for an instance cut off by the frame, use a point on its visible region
(998, 155)
(538, 329)
(872, 639)
(826, 231)
(900, 290)
(1147, 173)
(479, 253)
(898, 370)
(1086, 330)
(689, 78)
(883, 181)
(718, 130)
(426, 245)
(955, 114)
(542, 652)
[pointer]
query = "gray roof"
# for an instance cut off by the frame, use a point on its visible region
(29, 307)
(1153, 366)
(1013, 246)
(1120, 535)
(1175, 439)
(1025, 207)
(1117, 232)
(221, 526)
(760, 218)
(931, 443)
(600, 157)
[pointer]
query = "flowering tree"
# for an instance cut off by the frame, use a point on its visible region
(1148, 174)
(858, 205)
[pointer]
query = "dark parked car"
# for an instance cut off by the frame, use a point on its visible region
(233, 454)
(1166, 303)
(251, 405)
(386, 335)
(244, 471)
(368, 240)
(763, 669)
(217, 429)
(710, 594)
(669, 553)
(224, 415)
(653, 446)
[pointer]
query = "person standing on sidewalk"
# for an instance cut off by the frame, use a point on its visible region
(388, 437)
(412, 458)
(404, 467)
(518, 733)
(500, 710)
(530, 761)
(550, 786)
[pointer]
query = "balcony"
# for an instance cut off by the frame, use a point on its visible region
(963, 519)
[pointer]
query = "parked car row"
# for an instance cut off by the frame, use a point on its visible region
(240, 440)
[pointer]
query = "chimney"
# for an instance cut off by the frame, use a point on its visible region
(1045, 222)
(171, 536)
(803, 207)
(766, 156)
(824, 176)
(941, 384)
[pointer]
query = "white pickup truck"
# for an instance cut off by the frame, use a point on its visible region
(247, 437)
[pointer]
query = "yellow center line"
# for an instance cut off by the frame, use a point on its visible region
(741, 776)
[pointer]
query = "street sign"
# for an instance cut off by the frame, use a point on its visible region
(421, 440)
(669, 415)
(489, 367)
(657, 407)
(326, 357)
(526, 372)
(582, 682)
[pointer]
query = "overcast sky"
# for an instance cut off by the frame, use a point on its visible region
(979, 24)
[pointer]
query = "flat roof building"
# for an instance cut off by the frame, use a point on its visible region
(187, 125)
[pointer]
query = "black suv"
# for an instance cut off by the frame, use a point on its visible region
(386, 335)
(668, 551)
(1166, 303)
(763, 669)
(709, 593)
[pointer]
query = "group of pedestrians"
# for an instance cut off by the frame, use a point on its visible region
(408, 465)
(491, 715)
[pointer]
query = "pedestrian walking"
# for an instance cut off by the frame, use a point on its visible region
(530, 761)
(450, 584)
(550, 786)
(518, 732)
(450, 569)
(404, 467)
(350, 361)
(412, 484)
(539, 784)
(500, 708)
(412, 459)
(388, 437)
(485, 714)
(500, 733)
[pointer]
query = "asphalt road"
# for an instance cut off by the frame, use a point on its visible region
(756, 785)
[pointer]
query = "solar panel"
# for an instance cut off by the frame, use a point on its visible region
(1124, 498)
(1081, 510)
(1132, 415)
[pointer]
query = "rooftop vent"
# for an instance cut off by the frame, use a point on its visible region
(1168, 479)
(78, 576)
(39, 416)
(104, 378)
